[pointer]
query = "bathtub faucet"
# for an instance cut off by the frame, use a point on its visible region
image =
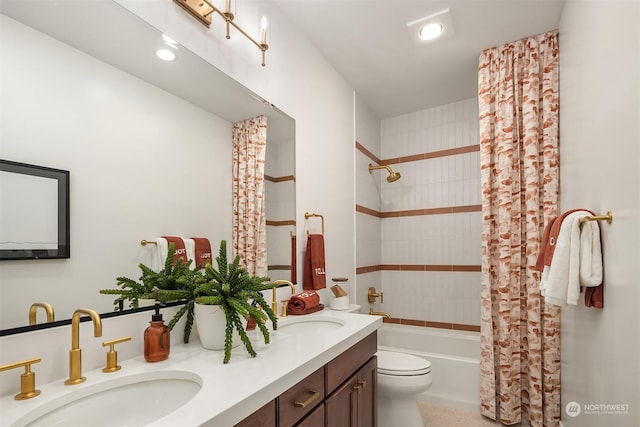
(379, 313)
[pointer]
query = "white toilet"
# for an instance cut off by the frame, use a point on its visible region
(401, 377)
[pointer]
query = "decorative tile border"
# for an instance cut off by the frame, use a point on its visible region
(279, 178)
(367, 153)
(418, 157)
(278, 267)
(281, 223)
(419, 212)
(432, 155)
(429, 324)
(419, 267)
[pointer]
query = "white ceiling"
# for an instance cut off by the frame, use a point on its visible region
(368, 44)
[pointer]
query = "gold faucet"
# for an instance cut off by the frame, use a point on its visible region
(274, 301)
(47, 308)
(379, 313)
(75, 354)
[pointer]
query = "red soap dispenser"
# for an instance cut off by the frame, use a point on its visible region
(156, 339)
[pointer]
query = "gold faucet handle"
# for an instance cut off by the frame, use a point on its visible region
(372, 295)
(112, 355)
(27, 380)
(284, 307)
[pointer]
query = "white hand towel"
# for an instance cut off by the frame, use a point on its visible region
(560, 283)
(159, 253)
(590, 255)
(190, 246)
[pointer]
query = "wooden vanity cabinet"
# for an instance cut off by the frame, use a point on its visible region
(301, 399)
(341, 393)
(354, 402)
(263, 417)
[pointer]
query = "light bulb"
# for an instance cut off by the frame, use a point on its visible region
(431, 31)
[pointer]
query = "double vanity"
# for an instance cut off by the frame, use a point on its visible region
(318, 370)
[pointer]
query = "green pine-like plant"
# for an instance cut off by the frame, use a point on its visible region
(237, 293)
(229, 286)
(166, 285)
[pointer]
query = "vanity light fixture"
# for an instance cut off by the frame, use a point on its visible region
(202, 10)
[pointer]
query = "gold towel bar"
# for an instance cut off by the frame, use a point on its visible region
(308, 215)
(608, 217)
(147, 242)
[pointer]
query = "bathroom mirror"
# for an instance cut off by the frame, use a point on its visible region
(105, 30)
(34, 212)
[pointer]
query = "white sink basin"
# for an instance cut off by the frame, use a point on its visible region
(129, 400)
(310, 325)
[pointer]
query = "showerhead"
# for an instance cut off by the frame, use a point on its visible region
(393, 176)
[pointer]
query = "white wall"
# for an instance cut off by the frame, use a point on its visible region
(128, 146)
(600, 159)
(368, 231)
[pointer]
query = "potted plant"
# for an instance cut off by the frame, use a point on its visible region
(236, 294)
(229, 288)
(165, 285)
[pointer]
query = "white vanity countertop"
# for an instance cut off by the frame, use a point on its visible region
(233, 391)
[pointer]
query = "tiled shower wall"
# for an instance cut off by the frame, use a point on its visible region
(429, 220)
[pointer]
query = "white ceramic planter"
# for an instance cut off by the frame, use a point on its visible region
(211, 323)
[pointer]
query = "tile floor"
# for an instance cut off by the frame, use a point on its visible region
(443, 416)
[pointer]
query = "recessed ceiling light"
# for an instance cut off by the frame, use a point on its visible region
(431, 31)
(165, 55)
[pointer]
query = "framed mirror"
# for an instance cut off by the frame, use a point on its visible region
(34, 212)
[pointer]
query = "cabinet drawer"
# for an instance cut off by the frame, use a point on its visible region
(343, 366)
(300, 399)
(314, 419)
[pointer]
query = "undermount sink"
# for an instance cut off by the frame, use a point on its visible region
(310, 325)
(129, 400)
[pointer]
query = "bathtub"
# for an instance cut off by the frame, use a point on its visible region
(454, 357)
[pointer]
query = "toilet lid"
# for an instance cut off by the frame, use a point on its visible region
(401, 364)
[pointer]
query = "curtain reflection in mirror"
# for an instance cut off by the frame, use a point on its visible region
(249, 219)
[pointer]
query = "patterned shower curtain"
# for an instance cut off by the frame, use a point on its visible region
(249, 221)
(520, 334)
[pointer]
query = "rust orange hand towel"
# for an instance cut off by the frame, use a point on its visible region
(180, 250)
(314, 263)
(303, 301)
(202, 252)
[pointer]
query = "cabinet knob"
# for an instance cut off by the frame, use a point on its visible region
(313, 396)
(358, 387)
